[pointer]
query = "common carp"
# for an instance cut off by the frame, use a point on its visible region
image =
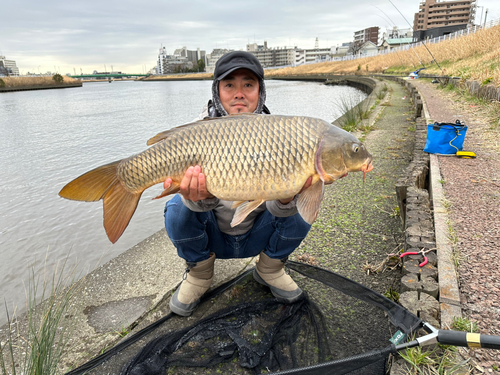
(248, 159)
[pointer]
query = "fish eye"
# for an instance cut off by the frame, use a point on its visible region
(355, 147)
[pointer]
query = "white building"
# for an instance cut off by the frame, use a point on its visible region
(288, 56)
(213, 57)
(9, 65)
(169, 63)
(318, 54)
(368, 49)
(192, 56)
(389, 44)
(342, 50)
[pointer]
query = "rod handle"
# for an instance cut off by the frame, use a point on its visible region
(467, 339)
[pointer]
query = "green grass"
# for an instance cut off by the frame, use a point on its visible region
(464, 324)
(349, 118)
(441, 360)
(353, 112)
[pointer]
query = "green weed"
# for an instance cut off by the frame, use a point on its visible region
(464, 324)
(38, 349)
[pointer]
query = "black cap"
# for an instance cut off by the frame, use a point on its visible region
(237, 60)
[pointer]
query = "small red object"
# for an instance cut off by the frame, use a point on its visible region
(416, 253)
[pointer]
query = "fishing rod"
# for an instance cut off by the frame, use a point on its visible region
(423, 42)
(393, 25)
(418, 57)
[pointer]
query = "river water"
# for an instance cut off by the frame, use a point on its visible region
(49, 137)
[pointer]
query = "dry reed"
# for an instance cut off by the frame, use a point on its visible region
(19, 82)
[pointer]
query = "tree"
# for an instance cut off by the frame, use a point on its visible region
(201, 65)
(355, 47)
(58, 78)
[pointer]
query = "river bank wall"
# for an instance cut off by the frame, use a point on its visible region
(35, 87)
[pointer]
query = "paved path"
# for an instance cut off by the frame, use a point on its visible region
(472, 188)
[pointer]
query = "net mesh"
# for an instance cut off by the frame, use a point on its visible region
(338, 327)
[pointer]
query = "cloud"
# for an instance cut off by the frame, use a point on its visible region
(127, 34)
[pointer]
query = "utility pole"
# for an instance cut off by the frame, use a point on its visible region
(485, 16)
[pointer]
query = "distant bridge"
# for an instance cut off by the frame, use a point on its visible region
(110, 75)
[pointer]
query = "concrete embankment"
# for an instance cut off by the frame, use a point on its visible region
(34, 87)
(358, 226)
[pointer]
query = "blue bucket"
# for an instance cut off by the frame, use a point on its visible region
(445, 138)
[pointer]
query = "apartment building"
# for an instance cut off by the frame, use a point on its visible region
(367, 35)
(213, 57)
(287, 56)
(168, 63)
(435, 13)
(192, 56)
(277, 56)
(8, 67)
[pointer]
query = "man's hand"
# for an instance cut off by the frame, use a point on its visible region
(193, 185)
(306, 185)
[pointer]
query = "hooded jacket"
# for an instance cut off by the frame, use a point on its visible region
(222, 209)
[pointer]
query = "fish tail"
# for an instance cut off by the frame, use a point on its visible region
(103, 183)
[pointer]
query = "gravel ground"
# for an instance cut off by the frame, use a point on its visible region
(472, 187)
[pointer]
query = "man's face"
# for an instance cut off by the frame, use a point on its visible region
(239, 92)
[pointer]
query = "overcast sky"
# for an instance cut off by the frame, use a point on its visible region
(68, 36)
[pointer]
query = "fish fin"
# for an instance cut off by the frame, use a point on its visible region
(165, 134)
(310, 200)
(159, 137)
(172, 189)
(91, 186)
(244, 209)
(236, 204)
(103, 183)
(119, 206)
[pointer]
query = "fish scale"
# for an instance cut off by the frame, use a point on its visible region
(275, 149)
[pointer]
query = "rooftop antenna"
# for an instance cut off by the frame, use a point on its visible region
(423, 41)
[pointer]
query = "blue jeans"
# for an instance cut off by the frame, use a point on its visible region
(196, 234)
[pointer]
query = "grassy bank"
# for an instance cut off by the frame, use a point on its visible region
(175, 77)
(45, 81)
(470, 57)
